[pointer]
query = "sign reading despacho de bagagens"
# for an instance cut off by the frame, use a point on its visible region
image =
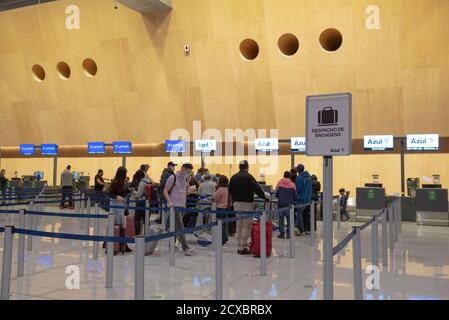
(329, 125)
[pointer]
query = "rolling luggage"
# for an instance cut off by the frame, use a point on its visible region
(117, 245)
(152, 245)
(130, 229)
(328, 116)
(255, 238)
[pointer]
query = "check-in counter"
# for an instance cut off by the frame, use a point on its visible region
(14, 184)
(432, 207)
(38, 185)
(370, 201)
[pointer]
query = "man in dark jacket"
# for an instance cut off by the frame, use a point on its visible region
(3, 183)
(316, 188)
(242, 188)
(304, 197)
(286, 195)
(166, 173)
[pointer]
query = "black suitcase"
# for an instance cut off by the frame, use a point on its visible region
(328, 116)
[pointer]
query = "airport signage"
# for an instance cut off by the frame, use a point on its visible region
(49, 149)
(175, 146)
(96, 148)
(266, 144)
(298, 144)
(27, 149)
(205, 145)
(378, 143)
(329, 125)
(423, 142)
(121, 147)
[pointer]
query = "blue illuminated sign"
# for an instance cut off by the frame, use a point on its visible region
(96, 148)
(205, 145)
(49, 149)
(175, 146)
(267, 144)
(121, 147)
(27, 149)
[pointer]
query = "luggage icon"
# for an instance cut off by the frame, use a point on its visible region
(328, 117)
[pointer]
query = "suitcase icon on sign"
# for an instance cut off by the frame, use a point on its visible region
(328, 117)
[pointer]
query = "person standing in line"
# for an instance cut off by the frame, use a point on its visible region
(67, 187)
(221, 197)
(140, 196)
(166, 173)
(316, 188)
(304, 196)
(175, 193)
(242, 188)
(99, 187)
(343, 199)
(3, 182)
(118, 192)
(286, 195)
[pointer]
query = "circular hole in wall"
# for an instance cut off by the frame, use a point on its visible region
(90, 67)
(38, 73)
(331, 40)
(288, 44)
(249, 49)
(63, 70)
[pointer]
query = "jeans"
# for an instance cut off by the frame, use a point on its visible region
(179, 226)
(282, 216)
(300, 217)
(343, 213)
(139, 216)
(67, 192)
(224, 235)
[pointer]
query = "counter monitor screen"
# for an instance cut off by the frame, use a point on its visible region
(423, 142)
(378, 143)
(96, 148)
(121, 147)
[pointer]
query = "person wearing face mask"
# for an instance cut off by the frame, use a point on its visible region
(175, 193)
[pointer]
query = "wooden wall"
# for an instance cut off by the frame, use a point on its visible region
(145, 86)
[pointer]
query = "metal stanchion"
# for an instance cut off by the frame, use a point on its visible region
(312, 223)
(396, 220)
(357, 264)
(374, 243)
(147, 217)
(338, 216)
(400, 214)
(291, 231)
(328, 266)
(218, 260)
(21, 247)
(172, 240)
(391, 237)
(7, 262)
(263, 243)
(96, 232)
(110, 254)
(213, 219)
(384, 238)
(139, 268)
(87, 222)
(30, 227)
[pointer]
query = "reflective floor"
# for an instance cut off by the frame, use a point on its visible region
(418, 268)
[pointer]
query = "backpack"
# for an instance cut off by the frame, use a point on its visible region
(163, 181)
(148, 191)
(174, 183)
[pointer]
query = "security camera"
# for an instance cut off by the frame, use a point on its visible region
(187, 49)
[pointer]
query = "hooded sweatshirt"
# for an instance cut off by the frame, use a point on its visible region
(304, 188)
(285, 192)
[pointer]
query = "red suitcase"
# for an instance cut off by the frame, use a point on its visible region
(255, 238)
(130, 229)
(117, 245)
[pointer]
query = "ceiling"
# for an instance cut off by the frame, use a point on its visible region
(13, 4)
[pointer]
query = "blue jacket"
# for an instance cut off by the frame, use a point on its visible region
(303, 188)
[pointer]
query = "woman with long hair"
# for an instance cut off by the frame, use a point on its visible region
(221, 197)
(118, 192)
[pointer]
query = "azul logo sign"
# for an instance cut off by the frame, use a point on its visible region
(175, 146)
(379, 143)
(27, 149)
(205, 145)
(121, 147)
(423, 142)
(298, 144)
(49, 149)
(96, 148)
(267, 144)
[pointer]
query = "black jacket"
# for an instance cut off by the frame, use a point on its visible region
(316, 188)
(243, 186)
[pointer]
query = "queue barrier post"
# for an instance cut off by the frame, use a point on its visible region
(391, 237)
(87, 222)
(218, 260)
(147, 217)
(374, 243)
(312, 223)
(21, 247)
(139, 268)
(384, 238)
(338, 215)
(263, 243)
(213, 219)
(400, 214)
(96, 232)
(357, 264)
(30, 227)
(110, 252)
(397, 221)
(172, 239)
(291, 231)
(7, 263)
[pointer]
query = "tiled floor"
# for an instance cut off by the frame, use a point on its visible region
(419, 269)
